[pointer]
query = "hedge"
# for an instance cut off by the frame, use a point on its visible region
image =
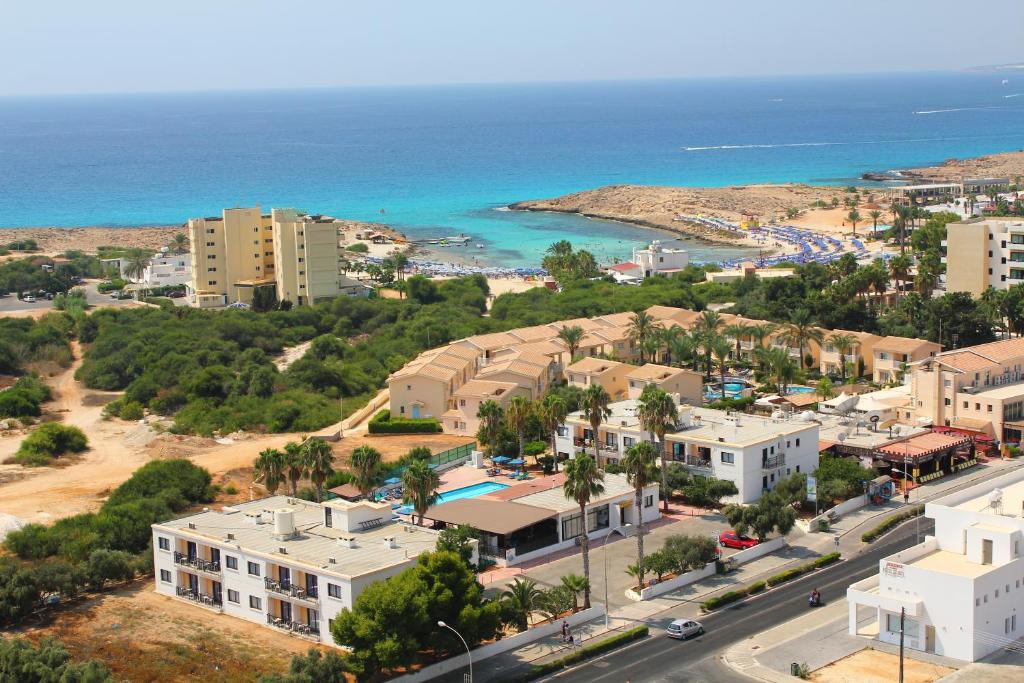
(758, 586)
(383, 423)
(793, 573)
(583, 653)
(895, 520)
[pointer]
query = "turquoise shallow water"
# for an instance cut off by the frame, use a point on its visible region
(441, 160)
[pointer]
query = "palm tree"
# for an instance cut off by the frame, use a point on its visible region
(800, 331)
(269, 468)
(780, 366)
(179, 242)
(720, 349)
(318, 461)
(521, 599)
(681, 347)
(705, 331)
(657, 412)
(583, 481)
(576, 584)
(667, 337)
(519, 411)
(737, 331)
(594, 403)
(135, 266)
(295, 466)
(419, 486)
(365, 464)
(899, 269)
(490, 415)
(875, 215)
(641, 326)
(638, 465)
(552, 412)
(572, 336)
(854, 218)
(843, 344)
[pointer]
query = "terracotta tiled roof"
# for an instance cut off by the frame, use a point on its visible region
(1000, 351)
(535, 333)
(591, 365)
(654, 372)
(903, 345)
(621, 267)
(966, 361)
(485, 389)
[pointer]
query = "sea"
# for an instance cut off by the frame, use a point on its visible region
(445, 160)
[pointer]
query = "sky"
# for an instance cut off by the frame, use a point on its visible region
(71, 46)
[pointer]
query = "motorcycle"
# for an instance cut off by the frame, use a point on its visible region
(814, 600)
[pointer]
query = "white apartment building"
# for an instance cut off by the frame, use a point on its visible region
(657, 258)
(753, 452)
(282, 562)
(962, 590)
(166, 270)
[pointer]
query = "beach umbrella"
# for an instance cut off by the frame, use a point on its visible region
(501, 458)
(517, 462)
(393, 480)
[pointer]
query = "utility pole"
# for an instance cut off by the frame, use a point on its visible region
(903, 616)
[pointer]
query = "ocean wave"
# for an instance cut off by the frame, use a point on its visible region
(1016, 94)
(829, 144)
(946, 111)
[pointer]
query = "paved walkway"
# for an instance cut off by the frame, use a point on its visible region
(686, 601)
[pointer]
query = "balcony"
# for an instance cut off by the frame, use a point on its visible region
(295, 628)
(698, 463)
(773, 462)
(199, 598)
(196, 563)
(290, 590)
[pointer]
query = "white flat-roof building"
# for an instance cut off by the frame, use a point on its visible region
(658, 258)
(283, 562)
(963, 588)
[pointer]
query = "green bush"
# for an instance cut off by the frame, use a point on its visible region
(131, 411)
(756, 587)
(50, 441)
(24, 398)
(358, 247)
(723, 599)
(793, 573)
(534, 448)
(48, 660)
(890, 523)
(383, 423)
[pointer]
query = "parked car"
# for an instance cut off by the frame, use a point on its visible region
(731, 539)
(681, 629)
(29, 299)
(177, 294)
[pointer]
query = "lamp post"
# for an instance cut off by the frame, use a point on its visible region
(468, 653)
(604, 551)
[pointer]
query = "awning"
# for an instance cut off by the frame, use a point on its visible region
(498, 517)
(924, 445)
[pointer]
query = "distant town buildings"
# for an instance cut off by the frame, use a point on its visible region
(959, 593)
(165, 269)
(297, 255)
(983, 253)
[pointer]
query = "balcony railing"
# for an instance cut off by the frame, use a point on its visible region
(773, 462)
(197, 563)
(309, 630)
(200, 598)
(290, 590)
(702, 463)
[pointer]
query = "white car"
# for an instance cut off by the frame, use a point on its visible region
(682, 629)
(29, 299)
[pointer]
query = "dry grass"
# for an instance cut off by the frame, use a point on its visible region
(874, 666)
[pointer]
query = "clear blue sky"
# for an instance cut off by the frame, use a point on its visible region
(71, 46)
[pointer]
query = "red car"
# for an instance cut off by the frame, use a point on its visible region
(731, 539)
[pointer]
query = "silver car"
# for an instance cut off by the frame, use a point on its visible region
(682, 629)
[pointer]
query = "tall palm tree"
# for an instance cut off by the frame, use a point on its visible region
(575, 584)
(720, 349)
(137, 261)
(843, 344)
(595, 403)
(854, 218)
(875, 215)
(638, 466)
(295, 466)
(737, 331)
(318, 461)
(552, 412)
(657, 412)
(800, 332)
(269, 468)
(641, 327)
(179, 242)
(583, 482)
(761, 332)
(572, 336)
(681, 347)
(667, 336)
(490, 414)
(365, 464)
(419, 486)
(899, 270)
(779, 366)
(519, 410)
(705, 331)
(522, 598)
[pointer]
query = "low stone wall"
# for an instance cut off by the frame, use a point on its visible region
(672, 584)
(759, 550)
(846, 507)
(504, 645)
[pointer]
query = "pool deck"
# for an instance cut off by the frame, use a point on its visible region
(459, 477)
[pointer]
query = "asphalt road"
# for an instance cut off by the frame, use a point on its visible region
(661, 659)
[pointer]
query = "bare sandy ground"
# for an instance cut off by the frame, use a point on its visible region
(875, 666)
(1007, 165)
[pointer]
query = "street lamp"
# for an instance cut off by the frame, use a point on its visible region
(604, 551)
(468, 653)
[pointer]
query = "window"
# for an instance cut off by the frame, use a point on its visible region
(209, 231)
(798, 466)
(798, 446)
(211, 256)
(729, 458)
(966, 405)
(302, 260)
(948, 402)
(231, 561)
(211, 270)
(628, 441)
(255, 602)
(233, 596)
(269, 240)
(165, 575)
(334, 590)
(764, 452)
(910, 626)
(165, 543)
(210, 244)
(302, 286)
(977, 602)
(254, 569)
(211, 282)
(648, 501)
(989, 407)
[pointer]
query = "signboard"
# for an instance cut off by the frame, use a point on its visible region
(894, 569)
(812, 489)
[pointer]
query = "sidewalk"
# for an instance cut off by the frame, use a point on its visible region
(686, 601)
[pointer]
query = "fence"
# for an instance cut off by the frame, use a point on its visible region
(438, 461)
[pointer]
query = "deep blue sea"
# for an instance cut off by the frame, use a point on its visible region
(442, 160)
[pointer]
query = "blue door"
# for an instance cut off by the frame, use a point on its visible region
(415, 412)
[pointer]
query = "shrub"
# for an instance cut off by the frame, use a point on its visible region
(383, 423)
(50, 441)
(48, 660)
(358, 247)
(890, 523)
(793, 573)
(131, 411)
(756, 587)
(24, 398)
(583, 653)
(534, 448)
(723, 599)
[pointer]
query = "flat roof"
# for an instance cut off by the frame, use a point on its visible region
(554, 499)
(998, 393)
(738, 429)
(1012, 502)
(493, 516)
(860, 437)
(947, 562)
(314, 544)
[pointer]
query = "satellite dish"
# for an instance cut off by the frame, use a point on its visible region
(841, 436)
(873, 418)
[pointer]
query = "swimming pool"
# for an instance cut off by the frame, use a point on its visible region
(732, 390)
(470, 491)
(799, 390)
